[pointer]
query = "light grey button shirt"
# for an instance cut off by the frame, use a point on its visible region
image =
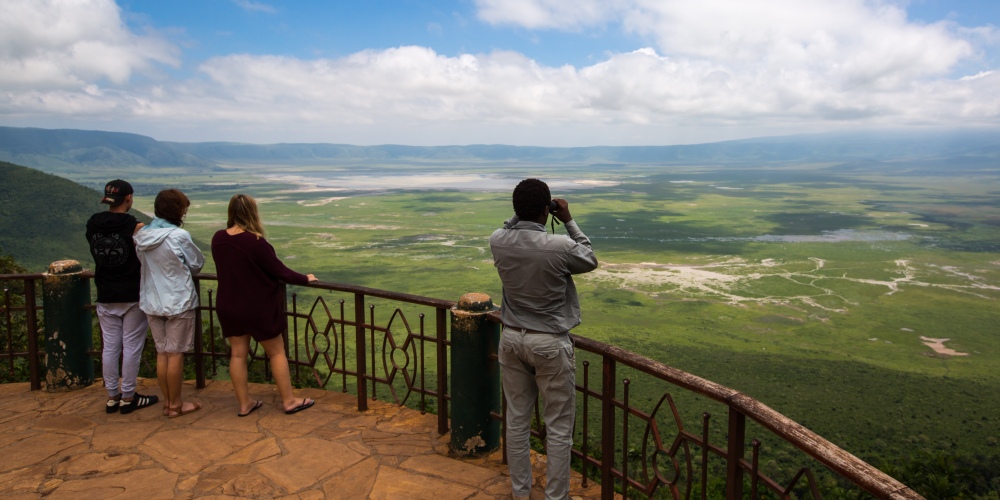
(536, 270)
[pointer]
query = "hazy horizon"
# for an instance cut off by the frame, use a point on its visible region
(552, 73)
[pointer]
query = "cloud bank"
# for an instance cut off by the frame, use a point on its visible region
(712, 70)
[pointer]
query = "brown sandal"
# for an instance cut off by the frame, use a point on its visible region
(178, 411)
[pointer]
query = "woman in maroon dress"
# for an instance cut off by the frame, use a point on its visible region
(251, 303)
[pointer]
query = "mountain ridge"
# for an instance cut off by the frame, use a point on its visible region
(76, 151)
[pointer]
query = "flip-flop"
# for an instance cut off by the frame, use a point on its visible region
(256, 406)
(178, 411)
(306, 403)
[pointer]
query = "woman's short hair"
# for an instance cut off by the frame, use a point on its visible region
(531, 196)
(243, 213)
(171, 205)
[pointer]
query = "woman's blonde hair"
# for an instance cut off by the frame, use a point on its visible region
(243, 214)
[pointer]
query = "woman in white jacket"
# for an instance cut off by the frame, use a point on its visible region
(168, 295)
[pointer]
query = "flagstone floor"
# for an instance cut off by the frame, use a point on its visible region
(64, 445)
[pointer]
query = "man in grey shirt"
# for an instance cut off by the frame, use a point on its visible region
(539, 308)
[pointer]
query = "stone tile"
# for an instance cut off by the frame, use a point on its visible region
(355, 482)
(187, 484)
(66, 424)
(97, 463)
(20, 404)
(392, 483)
(19, 422)
(27, 479)
(224, 418)
(215, 388)
(35, 450)
(340, 402)
(500, 487)
(252, 485)
(300, 424)
(192, 450)
(255, 452)
(217, 480)
(305, 495)
(124, 434)
(10, 436)
(15, 389)
(384, 443)
(449, 468)
(331, 433)
(409, 422)
(361, 421)
(148, 484)
(308, 461)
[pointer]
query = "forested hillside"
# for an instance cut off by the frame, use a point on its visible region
(43, 217)
(75, 151)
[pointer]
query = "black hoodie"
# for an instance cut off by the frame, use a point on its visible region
(117, 275)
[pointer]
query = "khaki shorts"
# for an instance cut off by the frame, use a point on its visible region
(173, 333)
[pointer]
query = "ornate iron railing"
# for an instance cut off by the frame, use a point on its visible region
(343, 338)
(349, 340)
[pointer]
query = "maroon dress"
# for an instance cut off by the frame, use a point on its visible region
(249, 300)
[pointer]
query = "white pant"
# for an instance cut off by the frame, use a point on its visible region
(123, 332)
(536, 364)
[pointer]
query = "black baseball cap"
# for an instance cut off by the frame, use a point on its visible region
(116, 191)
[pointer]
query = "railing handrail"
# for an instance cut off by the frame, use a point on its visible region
(837, 459)
(371, 292)
(840, 461)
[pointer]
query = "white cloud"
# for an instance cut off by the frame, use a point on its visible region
(52, 44)
(757, 68)
(541, 14)
(255, 6)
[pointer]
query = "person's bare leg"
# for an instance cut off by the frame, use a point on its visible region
(175, 381)
(275, 349)
(238, 371)
(162, 361)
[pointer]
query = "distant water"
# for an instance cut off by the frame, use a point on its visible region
(427, 181)
(835, 236)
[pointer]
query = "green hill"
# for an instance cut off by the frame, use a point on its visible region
(43, 217)
(77, 151)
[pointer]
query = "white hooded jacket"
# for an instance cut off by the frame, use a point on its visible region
(169, 260)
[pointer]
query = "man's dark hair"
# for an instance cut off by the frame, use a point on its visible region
(531, 196)
(171, 205)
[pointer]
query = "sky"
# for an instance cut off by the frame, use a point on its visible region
(520, 72)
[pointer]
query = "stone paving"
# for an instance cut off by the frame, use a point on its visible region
(64, 445)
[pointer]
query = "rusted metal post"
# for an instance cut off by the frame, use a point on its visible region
(199, 344)
(475, 376)
(608, 430)
(31, 326)
(736, 445)
(359, 345)
(442, 369)
(68, 327)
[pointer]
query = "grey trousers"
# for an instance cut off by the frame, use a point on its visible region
(123, 332)
(532, 365)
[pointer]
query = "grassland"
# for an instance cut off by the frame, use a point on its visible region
(806, 287)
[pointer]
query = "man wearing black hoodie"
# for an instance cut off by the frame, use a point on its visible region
(123, 324)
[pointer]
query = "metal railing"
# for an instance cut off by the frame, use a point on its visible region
(363, 341)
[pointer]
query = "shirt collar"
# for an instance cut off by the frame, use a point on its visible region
(529, 225)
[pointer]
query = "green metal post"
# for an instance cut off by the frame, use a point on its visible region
(68, 327)
(475, 376)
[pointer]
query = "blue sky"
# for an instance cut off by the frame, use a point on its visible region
(524, 72)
